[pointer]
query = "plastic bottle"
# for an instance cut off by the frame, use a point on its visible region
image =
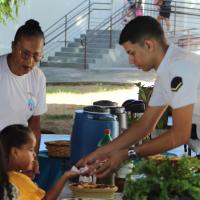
(105, 140)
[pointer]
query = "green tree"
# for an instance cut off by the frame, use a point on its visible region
(9, 9)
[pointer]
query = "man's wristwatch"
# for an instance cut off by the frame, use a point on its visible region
(132, 155)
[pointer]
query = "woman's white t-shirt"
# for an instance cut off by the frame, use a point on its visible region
(20, 96)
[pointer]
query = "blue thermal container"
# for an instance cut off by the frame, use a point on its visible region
(88, 129)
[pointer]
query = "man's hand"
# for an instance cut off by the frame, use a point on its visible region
(91, 158)
(111, 164)
(104, 165)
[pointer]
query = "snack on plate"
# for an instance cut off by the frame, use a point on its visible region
(92, 190)
(160, 157)
(94, 186)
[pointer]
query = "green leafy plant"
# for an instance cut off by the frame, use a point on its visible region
(164, 180)
(145, 93)
(9, 8)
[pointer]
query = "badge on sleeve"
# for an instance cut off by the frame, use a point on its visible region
(176, 83)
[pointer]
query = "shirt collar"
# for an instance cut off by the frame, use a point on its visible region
(166, 58)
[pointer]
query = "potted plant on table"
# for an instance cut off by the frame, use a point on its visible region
(164, 180)
(144, 94)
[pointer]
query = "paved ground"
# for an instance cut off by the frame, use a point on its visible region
(69, 75)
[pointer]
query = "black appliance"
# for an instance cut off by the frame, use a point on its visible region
(134, 108)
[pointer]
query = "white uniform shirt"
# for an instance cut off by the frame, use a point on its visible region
(179, 64)
(20, 96)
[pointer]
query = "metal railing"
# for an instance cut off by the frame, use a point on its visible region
(184, 22)
(182, 32)
(75, 22)
(111, 24)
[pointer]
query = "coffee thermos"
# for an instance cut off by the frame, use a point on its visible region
(118, 111)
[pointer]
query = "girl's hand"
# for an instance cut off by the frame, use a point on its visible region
(71, 174)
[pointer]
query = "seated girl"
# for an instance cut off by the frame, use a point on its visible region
(7, 190)
(19, 142)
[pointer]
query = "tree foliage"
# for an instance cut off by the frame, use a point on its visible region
(9, 9)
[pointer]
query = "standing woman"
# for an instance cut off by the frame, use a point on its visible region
(23, 84)
(165, 11)
(138, 8)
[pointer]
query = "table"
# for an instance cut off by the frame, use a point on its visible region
(51, 169)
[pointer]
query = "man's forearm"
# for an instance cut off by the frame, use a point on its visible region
(138, 130)
(177, 135)
(129, 137)
(168, 140)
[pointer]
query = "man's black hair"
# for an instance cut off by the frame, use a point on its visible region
(141, 28)
(31, 28)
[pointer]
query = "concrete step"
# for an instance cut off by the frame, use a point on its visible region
(107, 34)
(80, 55)
(69, 59)
(103, 36)
(103, 31)
(73, 56)
(67, 65)
(97, 40)
(90, 45)
(81, 50)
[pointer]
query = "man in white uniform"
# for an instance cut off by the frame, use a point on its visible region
(23, 84)
(177, 85)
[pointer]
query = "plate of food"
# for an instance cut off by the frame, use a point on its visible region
(93, 190)
(159, 157)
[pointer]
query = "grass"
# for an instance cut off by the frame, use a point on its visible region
(83, 89)
(57, 117)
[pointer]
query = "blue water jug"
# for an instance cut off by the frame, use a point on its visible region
(88, 130)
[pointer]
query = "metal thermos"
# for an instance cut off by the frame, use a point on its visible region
(121, 117)
(119, 112)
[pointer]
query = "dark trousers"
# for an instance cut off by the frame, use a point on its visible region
(194, 132)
